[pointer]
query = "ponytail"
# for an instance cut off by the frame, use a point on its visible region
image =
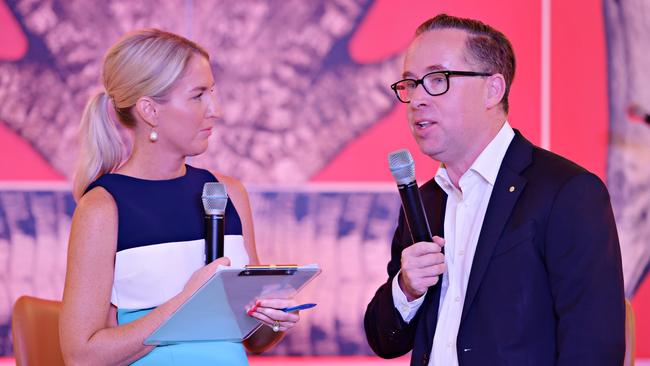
(101, 149)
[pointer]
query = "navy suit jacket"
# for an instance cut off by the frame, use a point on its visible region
(546, 284)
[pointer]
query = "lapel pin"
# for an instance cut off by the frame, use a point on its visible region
(511, 189)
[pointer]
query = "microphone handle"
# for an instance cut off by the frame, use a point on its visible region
(414, 212)
(214, 237)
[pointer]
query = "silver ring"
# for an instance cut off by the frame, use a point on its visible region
(276, 326)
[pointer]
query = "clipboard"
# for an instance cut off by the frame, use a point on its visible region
(217, 310)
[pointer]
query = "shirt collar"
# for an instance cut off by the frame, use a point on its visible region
(487, 164)
(489, 161)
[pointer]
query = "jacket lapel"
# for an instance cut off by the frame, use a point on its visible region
(507, 188)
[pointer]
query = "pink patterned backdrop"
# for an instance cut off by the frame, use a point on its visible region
(308, 121)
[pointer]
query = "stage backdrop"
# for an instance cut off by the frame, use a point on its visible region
(308, 121)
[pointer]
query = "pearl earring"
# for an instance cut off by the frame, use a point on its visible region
(153, 136)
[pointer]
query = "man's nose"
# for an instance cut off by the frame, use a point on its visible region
(419, 97)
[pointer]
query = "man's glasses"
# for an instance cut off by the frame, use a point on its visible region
(434, 83)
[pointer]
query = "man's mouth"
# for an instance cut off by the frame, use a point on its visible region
(424, 124)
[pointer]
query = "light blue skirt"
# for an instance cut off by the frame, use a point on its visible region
(191, 353)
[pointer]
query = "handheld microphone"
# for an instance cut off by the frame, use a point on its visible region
(214, 199)
(402, 168)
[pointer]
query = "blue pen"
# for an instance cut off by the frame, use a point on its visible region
(298, 307)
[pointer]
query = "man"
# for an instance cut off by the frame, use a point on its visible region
(525, 264)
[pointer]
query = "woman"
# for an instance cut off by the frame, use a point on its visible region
(136, 243)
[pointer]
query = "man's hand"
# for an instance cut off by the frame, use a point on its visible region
(422, 264)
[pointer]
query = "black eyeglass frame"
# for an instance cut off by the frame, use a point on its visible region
(447, 73)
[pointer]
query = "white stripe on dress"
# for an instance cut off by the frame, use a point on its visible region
(149, 275)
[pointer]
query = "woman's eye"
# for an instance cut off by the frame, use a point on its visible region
(198, 96)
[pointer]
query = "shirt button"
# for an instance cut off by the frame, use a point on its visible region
(449, 345)
(461, 252)
(405, 309)
(457, 299)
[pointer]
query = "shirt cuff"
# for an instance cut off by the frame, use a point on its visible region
(406, 309)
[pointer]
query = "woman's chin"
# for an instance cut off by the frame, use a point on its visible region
(197, 149)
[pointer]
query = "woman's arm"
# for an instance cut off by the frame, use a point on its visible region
(87, 326)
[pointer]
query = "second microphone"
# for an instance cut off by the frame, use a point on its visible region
(214, 199)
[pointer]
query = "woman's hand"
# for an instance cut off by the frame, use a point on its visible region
(269, 312)
(203, 274)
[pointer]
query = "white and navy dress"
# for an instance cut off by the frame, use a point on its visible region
(159, 246)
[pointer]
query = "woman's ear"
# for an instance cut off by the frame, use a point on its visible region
(146, 108)
(496, 89)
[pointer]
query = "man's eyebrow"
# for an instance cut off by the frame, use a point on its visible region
(407, 75)
(436, 67)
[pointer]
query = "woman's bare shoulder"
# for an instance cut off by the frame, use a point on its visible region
(232, 183)
(96, 204)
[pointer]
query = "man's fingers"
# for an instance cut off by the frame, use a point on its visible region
(420, 285)
(430, 271)
(421, 248)
(419, 280)
(422, 262)
(429, 260)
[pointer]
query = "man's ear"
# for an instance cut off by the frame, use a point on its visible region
(146, 108)
(496, 89)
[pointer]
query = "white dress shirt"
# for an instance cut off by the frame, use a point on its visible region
(464, 216)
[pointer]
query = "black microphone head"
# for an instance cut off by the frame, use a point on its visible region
(214, 198)
(402, 166)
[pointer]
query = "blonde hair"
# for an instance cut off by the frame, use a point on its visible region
(142, 63)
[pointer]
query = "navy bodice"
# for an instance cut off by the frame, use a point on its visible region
(159, 211)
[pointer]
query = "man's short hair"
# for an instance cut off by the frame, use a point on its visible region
(485, 45)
